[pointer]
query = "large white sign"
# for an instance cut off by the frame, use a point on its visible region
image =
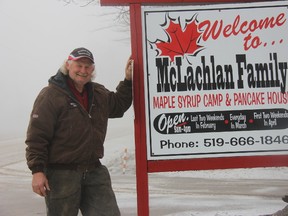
(216, 82)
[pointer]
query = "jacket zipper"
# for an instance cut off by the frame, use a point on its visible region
(90, 117)
(82, 108)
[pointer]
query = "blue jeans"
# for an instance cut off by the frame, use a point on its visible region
(71, 190)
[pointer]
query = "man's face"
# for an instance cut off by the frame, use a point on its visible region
(80, 71)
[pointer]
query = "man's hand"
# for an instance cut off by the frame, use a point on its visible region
(40, 184)
(129, 69)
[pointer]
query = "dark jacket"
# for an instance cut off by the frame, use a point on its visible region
(61, 131)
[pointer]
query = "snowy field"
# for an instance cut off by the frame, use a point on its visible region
(245, 192)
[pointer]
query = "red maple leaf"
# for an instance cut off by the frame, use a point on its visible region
(180, 42)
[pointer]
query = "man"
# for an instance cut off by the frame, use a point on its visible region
(65, 138)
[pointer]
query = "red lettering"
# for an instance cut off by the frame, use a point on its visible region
(163, 102)
(238, 26)
(211, 30)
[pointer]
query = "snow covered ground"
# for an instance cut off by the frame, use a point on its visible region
(245, 192)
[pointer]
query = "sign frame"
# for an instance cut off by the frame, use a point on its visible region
(144, 166)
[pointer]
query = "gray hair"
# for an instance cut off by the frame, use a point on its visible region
(63, 69)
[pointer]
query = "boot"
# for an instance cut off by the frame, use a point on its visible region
(285, 198)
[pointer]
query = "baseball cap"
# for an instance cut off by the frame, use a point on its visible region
(80, 53)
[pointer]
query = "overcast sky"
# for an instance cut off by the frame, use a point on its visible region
(37, 36)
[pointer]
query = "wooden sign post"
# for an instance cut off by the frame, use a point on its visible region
(219, 103)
